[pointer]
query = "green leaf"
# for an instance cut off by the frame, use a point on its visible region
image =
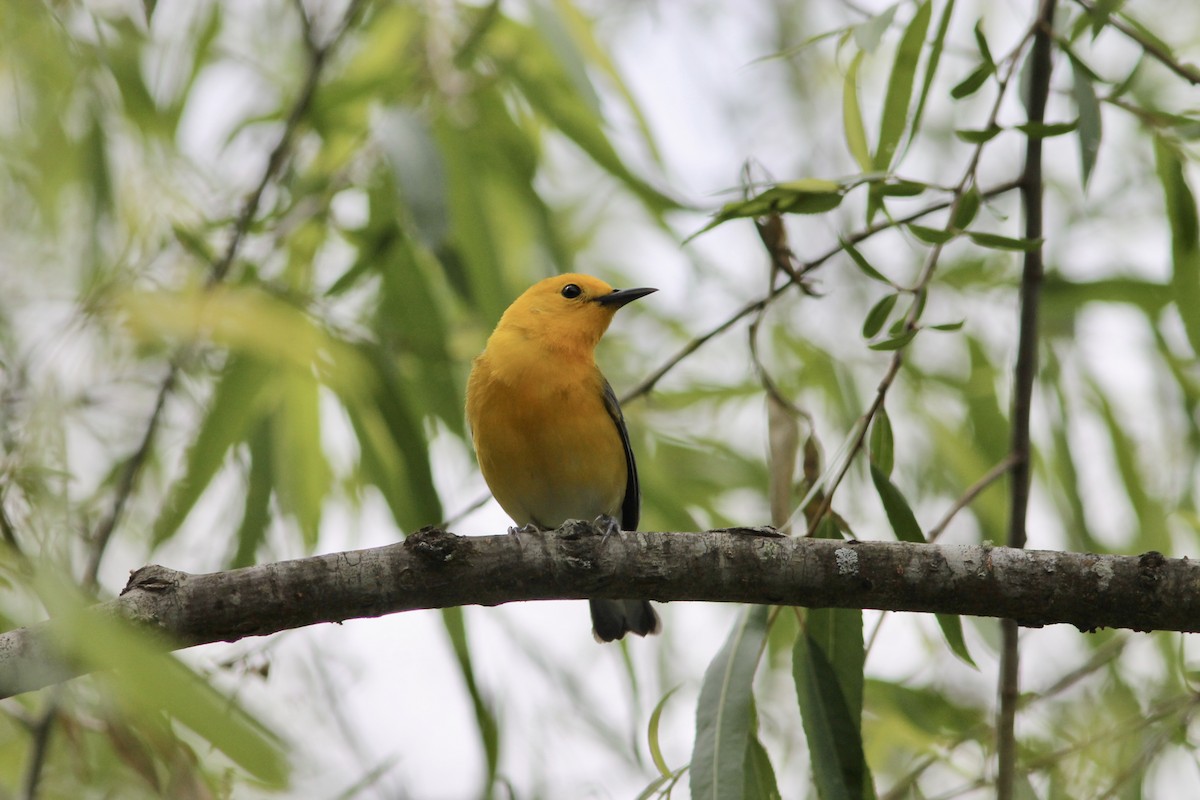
(1153, 530)
(302, 475)
(652, 734)
(931, 235)
(980, 136)
(952, 631)
(852, 119)
(861, 262)
(985, 52)
(948, 326)
(881, 445)
(895, 342)
(138, 677)
(878, 315)
(194, 243)
(968, 207)
(581, 30)
(827, 724)
(901, 188)
(867, 35)
(350, 278)
(411, 318)
(395, 449)
(929, 711)
(1185, 238)
(896, 103)
(972, 83)
(914, 314)
(997, 242)
(783, 445)
(419, 173)
(246, 320)
(485, 718)
(805, 196)
(1090, 127)
(827, 667)
(256, 513)
(725, 711)
(760, 775)
(532, 65)
(478, 253)
(989, 424)
(242, 395)
(931, 65)
(1045, 130)
(903, 521)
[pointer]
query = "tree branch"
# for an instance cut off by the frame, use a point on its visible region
(437, 569)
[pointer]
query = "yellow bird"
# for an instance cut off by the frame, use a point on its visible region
(547, 429)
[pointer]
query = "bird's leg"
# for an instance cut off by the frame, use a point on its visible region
(528, 527)
(608, 525)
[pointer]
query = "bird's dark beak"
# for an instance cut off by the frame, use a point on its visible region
(619, 297)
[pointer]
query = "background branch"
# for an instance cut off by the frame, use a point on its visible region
(437, 569)
(1024, 375)
(802, 269)
(1151, 48)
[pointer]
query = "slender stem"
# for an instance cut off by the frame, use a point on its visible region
(128, 481)
(974, 490)
(649, 382)
(991, 476)
(1148, 45)
(1024, 374)
(40, 746)
(919, 292)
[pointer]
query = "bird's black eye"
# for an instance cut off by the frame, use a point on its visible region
(571, 291)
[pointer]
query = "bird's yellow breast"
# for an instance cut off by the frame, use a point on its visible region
(547, 446)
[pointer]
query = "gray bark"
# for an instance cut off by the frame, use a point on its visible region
(436, 569)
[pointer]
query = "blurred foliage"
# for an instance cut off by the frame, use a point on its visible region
(247, 251)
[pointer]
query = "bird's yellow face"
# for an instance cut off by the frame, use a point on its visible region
(567, 311)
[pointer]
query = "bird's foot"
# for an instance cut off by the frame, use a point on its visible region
(528, 527)
(609, 526)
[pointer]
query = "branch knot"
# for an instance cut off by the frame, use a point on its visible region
(154, 578)
(433, 544)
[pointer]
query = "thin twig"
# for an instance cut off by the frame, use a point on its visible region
(1183, 705)
(1106, 653)
(1100, 658)
(318, 55)
(991, 476)
(968, 497)
(1024, 375)
(1149, 46)
(649, 382)
(40, 746)
(1137, 767)
(859, 436)
(129, 476)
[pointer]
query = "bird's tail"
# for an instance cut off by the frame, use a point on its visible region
(612, 619)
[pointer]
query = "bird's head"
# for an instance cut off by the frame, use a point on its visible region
(567, 311)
